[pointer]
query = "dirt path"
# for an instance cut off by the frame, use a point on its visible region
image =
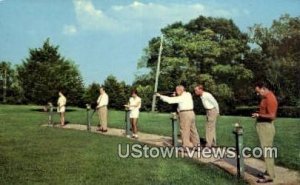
(252, 166)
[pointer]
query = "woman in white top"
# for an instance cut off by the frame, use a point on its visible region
(61, 107)
(134, 106)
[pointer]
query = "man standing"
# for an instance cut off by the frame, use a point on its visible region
(265, 128)
(61, 107)
(188, 130)
(102, 103)
(212, 111)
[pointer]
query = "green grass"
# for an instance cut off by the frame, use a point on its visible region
(31, 154)
(287, 138)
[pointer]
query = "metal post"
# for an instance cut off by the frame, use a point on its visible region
(238, 132)
(127, 123)
(174, 129)
(88, 110)
(157, 73)
(50, 118)
(4, 85)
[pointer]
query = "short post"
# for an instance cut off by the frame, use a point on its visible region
(238, 132)
(174, 129)
(127, 123)
(88, 110)
(50, 115)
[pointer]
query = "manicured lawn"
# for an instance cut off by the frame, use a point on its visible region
(31, 154)
(287, 137)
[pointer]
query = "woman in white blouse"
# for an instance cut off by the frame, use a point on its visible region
(134, 106)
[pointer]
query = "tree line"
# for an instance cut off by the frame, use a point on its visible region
(206, 50)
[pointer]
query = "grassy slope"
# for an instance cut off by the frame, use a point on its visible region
(31, 154)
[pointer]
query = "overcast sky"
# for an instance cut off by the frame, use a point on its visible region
(106, 37)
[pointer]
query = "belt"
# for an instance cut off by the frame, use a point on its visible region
(262, 122)
(186, 110)
(210, 109)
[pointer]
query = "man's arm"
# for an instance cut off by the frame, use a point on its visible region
(171, 100)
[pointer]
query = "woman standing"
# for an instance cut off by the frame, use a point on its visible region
(134, 106)
(61, 107)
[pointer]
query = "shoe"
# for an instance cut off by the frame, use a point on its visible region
(264, 180)
(99, 129)
(262, 175)
(135, 136)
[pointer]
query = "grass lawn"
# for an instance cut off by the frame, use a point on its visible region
(287, 138)
(31, 154)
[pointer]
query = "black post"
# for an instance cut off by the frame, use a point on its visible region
(88, 110)
(238, 132)
(50, 116)
(174, 129)
(127, 123)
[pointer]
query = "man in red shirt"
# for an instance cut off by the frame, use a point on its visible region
(265, 128)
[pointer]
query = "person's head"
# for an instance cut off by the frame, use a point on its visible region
(179, 90)
(261, 88)
(101, 90)
(60, 93)
(134, 93)
(199, 90)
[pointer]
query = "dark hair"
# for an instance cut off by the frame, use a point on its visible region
(200, 86)
(261, 85)
(134, 91)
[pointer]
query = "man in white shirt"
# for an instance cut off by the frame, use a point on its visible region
(61, 107)
(212, 111)
(187, 119)
(102, 103)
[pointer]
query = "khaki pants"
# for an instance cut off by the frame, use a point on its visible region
(210, 127)
(266, 133)
(188, 130)
(102, 113)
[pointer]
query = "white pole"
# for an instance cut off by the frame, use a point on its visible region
(157, 73)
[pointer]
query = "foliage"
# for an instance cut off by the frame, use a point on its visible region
(91, 94)
(45, 72)
(118, 92)
(13, 92)
(206, 50)
(278, 57)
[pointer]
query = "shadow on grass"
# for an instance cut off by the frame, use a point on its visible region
(54, 110)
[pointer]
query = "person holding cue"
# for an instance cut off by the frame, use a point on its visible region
(134, 105)
(187, 119)
(61, 107)
(212, 111)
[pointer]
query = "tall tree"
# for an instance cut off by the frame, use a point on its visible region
(45, 72)
(205, 50)
(279, 57)
(118, 92)
(11, 92)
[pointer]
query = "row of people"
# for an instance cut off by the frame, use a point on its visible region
(190, 138)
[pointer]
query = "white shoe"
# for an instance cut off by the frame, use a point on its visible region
(135, 136)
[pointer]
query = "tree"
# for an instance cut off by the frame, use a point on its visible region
(91, 94)
(278, 58)
(118, 92)
(45, 72)
(205, 50)
(10, 88)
